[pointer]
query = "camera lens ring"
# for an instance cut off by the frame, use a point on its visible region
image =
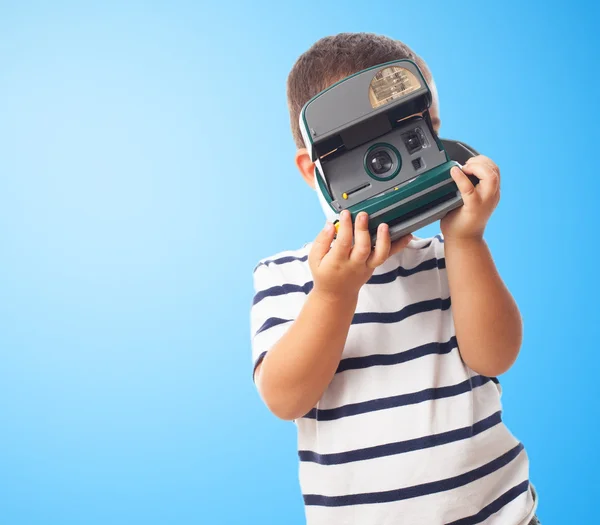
(391, 152)
(380, 162)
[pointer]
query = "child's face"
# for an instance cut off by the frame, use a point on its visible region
(307, 166)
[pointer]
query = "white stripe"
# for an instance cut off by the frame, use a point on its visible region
(397, 424)
(391, 297)
(287, 307)
(391, 338)
(267, 261)
(357, 386)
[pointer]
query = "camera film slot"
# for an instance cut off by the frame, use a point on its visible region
(346, 195)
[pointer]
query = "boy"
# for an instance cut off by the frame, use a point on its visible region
(387, 358)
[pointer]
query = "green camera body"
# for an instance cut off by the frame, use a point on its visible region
(375, 150)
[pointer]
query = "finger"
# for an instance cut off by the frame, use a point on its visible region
(476, 158)
(482, 159)
(321, 245)
(382, 247)
(343, 241)
(489, 178)
(486, 161)
(465, 186)
(399, 244)
(362, 239)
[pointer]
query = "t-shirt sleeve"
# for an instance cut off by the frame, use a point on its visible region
(276, 304)
(438, 248)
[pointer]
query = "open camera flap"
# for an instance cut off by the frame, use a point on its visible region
(363, 106)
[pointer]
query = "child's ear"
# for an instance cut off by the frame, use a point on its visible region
(305, 166)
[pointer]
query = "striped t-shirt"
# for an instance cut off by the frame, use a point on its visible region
(406, 432)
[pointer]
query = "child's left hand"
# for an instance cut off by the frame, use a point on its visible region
(468, 222)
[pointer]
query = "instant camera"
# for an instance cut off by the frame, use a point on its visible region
(375, 150)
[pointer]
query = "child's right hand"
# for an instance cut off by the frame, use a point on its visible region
(298, 367)
(339, 271)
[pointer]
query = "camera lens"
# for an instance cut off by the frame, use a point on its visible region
(380, 162)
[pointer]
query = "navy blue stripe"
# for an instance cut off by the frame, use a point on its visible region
(391, 276)
(356, 363)
(258, 361)
(384, 278)
(495, 506)
(401, 447)
(384, 403)
(407, 311)
(283, 289)
(416, 490)
(281, 260)
(378, 317)
(271, 322)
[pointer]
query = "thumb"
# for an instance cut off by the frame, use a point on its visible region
(465, 187)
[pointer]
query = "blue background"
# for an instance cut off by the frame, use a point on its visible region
(146, 166)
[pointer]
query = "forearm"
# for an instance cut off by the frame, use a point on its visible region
(487, 320)
(297, 370)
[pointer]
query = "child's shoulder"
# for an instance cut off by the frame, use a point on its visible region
(416, 252)
(288, 263)
(431, 244)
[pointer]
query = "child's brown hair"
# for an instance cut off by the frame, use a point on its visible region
(335, 57)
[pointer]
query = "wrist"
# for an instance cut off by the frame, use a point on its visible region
(467, 242)
(335, 298)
